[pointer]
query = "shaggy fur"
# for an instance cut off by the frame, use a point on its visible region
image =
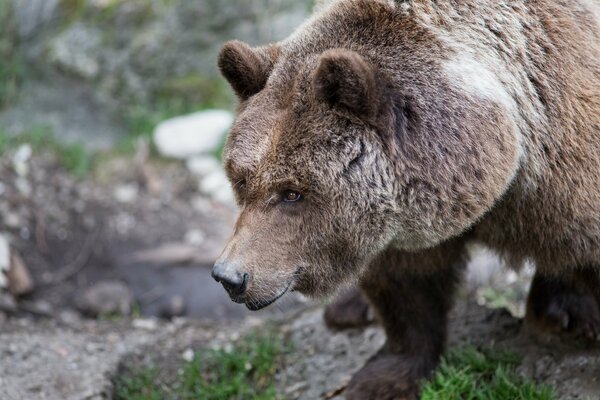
(410, 128)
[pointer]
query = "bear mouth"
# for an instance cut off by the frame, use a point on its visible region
(254, 305)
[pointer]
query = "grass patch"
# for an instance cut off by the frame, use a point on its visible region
(74, 158)
(242, 372)
(471, 374)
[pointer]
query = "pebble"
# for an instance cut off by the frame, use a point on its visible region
(4, 260)
(127, 193)
(147, 324)
(106, 297)
(19, 279)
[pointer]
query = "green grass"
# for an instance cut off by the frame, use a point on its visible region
(244, 372)
(470, 374)
(74, 158)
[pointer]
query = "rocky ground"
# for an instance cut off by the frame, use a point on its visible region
(77, 359)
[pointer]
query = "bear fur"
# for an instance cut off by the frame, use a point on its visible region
(377, 141)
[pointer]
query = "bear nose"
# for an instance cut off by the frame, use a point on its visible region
(232, 280)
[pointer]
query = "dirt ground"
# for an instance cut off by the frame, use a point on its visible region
(58, 359)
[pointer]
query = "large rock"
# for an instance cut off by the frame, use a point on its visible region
(190, 135)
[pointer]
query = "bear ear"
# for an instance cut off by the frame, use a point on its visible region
(345, 80)
(246, 69)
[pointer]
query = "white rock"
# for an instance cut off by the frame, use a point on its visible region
(188, 355)
(213, 182)
(203, 165)
(224, 195)
(21, 158)
(195, 237)
(126, 193)
(4, 260)
(148, 324)
(190, 135)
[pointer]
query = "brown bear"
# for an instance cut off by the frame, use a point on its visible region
(376, 141)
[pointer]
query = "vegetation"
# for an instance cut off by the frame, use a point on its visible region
(11, 65)
(245, 371)
(74, 158)
(470, 374)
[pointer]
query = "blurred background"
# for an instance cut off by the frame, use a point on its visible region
(104, 192)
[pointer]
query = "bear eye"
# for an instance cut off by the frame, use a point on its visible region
(240, 184)
(291, 196)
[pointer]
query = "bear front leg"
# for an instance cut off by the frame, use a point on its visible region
(569, 303)
(412, 295)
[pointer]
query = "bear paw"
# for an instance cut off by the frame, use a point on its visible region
(556, 307)
(350, 310)
(386, 377)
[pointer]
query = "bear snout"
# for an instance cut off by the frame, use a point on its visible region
(232, 277)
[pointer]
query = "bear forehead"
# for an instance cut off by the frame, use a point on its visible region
(271, 138)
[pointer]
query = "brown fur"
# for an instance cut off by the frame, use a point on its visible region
(410, 128)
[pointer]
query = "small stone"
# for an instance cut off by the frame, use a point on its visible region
(19, 278)
(203, 165)
(21, 158)
(195, 237)
(4, 260)
(126, 193)
(187, 136)
(7, 302)
(12, 220)
(188, 355)
(105, 298)
(213, 182)
(69, 318)
(175, 307)
(224, 195)
(147, 324)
